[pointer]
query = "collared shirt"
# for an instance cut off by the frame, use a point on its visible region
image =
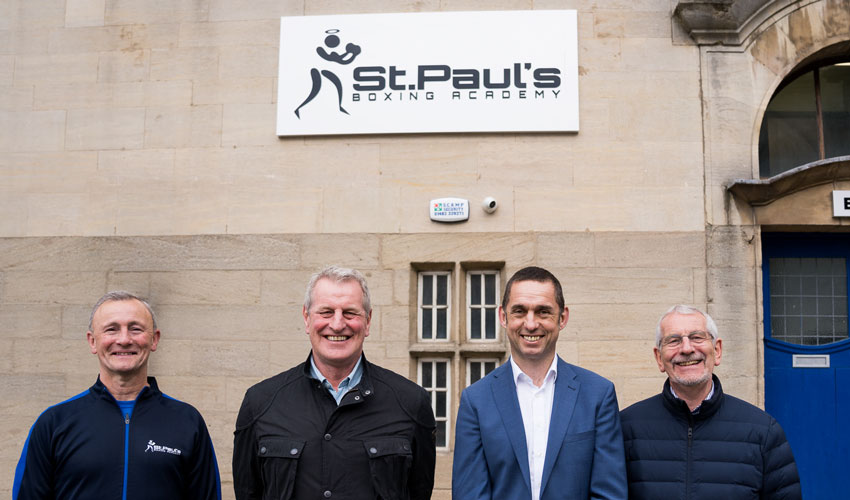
(347, 383)
(695, 410)
(535, 404)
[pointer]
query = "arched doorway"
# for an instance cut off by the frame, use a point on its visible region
(804, 143)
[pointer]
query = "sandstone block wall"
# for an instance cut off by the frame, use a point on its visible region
(229, 308)
(137, 151)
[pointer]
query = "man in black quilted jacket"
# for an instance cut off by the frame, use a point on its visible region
(694, 442)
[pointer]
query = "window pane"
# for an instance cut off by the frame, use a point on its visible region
(808, 285)
(810, 326)
(793, 325)
(793, 284)
(490, 324)
(788, 136)
(440, 410)
(441, 374)
(826, 328)
(427, 323)
(808, 266)
(777, 304)
(441, 434)
(810, 307)
(474, 289)
(825, 306)
(823, 266)
(792, 266)
(841, 327)
(490, 288)
(777, 327)
(835, 102)
(825, 285)
(427, 289)
(475, 323)
(777, 282)
(489, 367)
(427, 374)
(474, 372)
(442, 289)
(441, 324)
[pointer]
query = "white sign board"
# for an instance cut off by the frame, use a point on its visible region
(512, 71)
(449, 209)
(841, 203)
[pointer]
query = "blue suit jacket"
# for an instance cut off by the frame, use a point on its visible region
(584, 452)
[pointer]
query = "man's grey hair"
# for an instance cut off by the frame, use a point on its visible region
(710, 325)
(338, 275)
(117, 296)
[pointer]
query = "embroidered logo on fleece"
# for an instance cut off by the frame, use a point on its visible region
(153, 448)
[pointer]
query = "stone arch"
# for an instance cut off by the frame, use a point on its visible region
(792, 40)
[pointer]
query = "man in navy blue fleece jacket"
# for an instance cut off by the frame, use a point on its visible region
(122, 438)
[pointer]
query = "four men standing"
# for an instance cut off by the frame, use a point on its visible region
(337, 426)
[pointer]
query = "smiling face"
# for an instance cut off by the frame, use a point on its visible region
(122, 337)
(337, 325)
(687, 365)
(532, 322)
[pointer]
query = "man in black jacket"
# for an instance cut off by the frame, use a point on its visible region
(122, 438)
(694, 442)
(335, 426)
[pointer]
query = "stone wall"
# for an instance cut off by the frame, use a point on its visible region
(137, 151)
(126, 118)
(229, 308)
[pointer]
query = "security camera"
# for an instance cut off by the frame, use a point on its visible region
(489, 205)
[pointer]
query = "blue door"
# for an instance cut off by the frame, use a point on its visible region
(807, 354)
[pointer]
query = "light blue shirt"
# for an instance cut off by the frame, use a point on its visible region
(347, 383)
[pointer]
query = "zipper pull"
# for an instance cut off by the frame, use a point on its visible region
(127, 419)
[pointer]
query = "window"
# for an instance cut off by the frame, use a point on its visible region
(808, 300)
(808, 119)
(476, 369)
(482, 290)
(434, 305)
(805, 282)
(434, 376)
(456, 337)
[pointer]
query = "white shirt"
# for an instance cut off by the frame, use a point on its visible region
(535, 404)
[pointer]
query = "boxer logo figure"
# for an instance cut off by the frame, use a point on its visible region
(351, 52)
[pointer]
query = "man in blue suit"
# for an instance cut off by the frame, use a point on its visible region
(538, 428)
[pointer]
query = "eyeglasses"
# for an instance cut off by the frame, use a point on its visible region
(696, 338)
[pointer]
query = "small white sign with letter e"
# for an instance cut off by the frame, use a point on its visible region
(841, 203)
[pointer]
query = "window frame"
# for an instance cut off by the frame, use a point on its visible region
(468, 306)
(469, 362)
(800, 245)
(820, 131)
(433, 307)
(432, 392)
